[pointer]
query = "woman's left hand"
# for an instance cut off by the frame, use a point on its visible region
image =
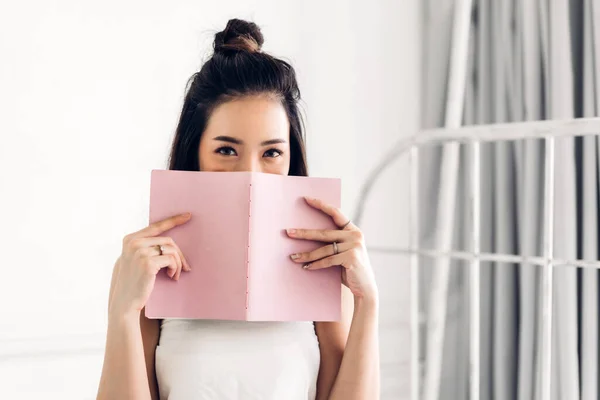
(346, 248)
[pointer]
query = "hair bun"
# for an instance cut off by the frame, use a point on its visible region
(239, 35)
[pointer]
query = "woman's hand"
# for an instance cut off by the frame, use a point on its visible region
(347, 249)
(144, 254)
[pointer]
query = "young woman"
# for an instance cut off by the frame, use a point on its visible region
(241, 114)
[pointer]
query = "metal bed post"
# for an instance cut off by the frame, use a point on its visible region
(474, 281)
(415, 316)
(547, 270)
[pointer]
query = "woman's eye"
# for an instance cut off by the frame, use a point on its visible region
(226, 151)
(273, 153)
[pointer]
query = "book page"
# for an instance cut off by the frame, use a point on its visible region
(214, 241)
(279, 289)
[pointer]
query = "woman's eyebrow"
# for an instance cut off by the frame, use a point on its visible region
(273, 141)
(228, 139)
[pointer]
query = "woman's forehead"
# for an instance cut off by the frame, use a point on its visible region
(251, 119)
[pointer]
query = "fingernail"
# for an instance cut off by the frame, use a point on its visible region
(291, 231)
(295, 256)
(306, 266)
(187, 215)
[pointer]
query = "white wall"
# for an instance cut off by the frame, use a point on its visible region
(361, 75)
(89, 99)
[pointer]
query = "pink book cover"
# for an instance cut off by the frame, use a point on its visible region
(238, 250)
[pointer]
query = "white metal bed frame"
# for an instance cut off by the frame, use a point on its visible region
(473, 136)
(450, 137)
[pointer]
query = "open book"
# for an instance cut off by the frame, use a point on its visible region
(238, 249)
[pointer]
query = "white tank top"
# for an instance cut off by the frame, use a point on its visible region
(226, 360)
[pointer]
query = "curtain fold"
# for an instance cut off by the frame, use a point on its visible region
(483, 90)
(530, 189)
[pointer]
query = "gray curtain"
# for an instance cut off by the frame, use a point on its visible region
(528, 60)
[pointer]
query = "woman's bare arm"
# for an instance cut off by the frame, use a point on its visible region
(350, 359)
(358, 377)
(128, 371)
(332, 342)
(124, 371)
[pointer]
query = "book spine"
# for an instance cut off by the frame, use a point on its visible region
(248, 248)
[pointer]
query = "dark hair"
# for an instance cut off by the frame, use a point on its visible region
(236, 69)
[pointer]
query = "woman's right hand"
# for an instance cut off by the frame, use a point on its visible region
(135, 271)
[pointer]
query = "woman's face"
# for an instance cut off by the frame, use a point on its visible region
(247, 134)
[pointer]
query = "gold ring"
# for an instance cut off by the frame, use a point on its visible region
(160, 249)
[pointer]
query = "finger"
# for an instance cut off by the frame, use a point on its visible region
(165, 261)
(162, 226)
(335, 213)
(179, 266)
(162, 241)
(327, 262)
(320, 253)
(320, 235)
(170, 250)
(186, 264)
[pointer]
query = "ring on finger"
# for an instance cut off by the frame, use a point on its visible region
(335, 248)
(160, 249)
